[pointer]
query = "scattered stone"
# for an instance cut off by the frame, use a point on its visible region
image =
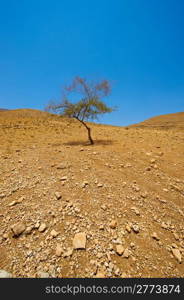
(68, 253)
(135, 210)
(79, 240)
(58, 195)
(84, 184)
(99, 255)
(117, 272)
(119, 249)
(18, 229)
(42, 227)
(148, 169)
(104, 207)
(99, 185)
(144, 195)
(177, 254)
(127, 165)
(135, 228)
(148, 153)
(13, 203)
(132, 245)
(163, 201)
(164, 225)
(155, 236)
(176, 236)
(153, 161)
(155, 166)
(108, 256)
(126, 253)
(20, 199)
(64, 178)
(136, 188)
(37, 225)
(101, 227)
(62, 166)
(5, 236)
(128, 228)
(160, 153)
(174, 245)
(59, 250)
(113, 224)
(29, 230)
(54, 233)
(5, 274)
(41, 274)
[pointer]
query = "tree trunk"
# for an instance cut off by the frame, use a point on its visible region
(89, 131)
(89, 135)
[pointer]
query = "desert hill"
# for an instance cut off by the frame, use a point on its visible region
(3, 109)
(24, 113)
(167, 121)
(68, 209)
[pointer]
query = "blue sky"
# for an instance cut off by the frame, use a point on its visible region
(136, 44)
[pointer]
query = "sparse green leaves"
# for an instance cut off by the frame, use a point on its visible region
(90, 105)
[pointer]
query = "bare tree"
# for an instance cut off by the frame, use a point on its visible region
(88, 107)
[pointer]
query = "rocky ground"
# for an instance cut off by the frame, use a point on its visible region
(68, 209)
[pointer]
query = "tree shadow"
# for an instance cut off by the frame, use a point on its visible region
(84, 143)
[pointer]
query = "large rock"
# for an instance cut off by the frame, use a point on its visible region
(18, 229)
(79, 241)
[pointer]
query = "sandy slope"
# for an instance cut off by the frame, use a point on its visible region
(164, 121)
(127, 190)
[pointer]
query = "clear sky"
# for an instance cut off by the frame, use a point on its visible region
(137, 44)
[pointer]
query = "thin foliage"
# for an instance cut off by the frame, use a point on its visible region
(89, 107)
